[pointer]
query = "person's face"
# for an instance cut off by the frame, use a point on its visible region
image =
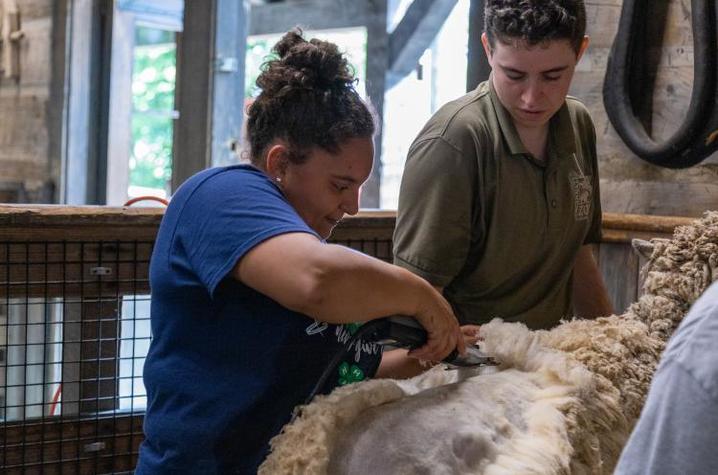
(327, 186)
(532, 81)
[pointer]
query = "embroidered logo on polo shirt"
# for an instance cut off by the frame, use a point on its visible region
(582, 192)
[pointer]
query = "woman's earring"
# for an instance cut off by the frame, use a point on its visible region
(278, 179)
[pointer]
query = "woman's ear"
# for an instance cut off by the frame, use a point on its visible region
(277, 161)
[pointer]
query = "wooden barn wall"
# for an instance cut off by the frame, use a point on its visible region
(24, 108)
(628, 184)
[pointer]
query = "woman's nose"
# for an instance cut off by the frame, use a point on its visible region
(350, 205)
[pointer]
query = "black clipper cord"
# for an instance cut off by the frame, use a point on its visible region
(398, 332)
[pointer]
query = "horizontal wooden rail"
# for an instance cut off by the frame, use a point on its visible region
(78, 223)
(96, 223)
(624, 227)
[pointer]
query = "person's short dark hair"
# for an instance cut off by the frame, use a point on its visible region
(535, 21)
(307, 99)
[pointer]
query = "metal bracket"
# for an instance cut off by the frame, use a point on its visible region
(94, 447)
(225, 64)
(100, 270)
(10, 36)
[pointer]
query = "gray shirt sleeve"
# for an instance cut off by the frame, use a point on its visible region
(677, 429)
(676, 433)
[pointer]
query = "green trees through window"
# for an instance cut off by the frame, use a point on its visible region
(153, 99)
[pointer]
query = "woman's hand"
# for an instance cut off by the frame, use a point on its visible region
(471, 334)
(438, 319)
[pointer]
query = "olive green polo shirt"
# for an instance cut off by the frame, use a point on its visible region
(483, 218)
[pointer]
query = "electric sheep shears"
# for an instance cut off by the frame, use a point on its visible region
(400, 332)
(406, 332)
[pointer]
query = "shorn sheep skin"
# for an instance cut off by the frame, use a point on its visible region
(562, 401)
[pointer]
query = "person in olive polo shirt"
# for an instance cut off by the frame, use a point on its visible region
(499, 201)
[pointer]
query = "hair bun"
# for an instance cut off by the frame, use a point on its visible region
(307, 65)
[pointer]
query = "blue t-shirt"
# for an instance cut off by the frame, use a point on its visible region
(227, 364)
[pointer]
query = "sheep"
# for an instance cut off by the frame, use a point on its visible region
(562, 401)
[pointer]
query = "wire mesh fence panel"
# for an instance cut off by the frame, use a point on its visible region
(74, 331)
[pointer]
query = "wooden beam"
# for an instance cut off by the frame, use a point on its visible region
(477, 68)
(192, 132)
(80, 127)
(279, 17)
(58, 101)
(210, 86)
(51, 222)
(413, 35)
(228, 80)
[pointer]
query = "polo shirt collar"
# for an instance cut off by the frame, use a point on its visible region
(562, 142)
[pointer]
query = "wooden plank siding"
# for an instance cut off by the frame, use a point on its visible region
(24, 107)
(628, 184)
(50, 252)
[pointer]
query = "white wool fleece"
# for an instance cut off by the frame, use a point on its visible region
(562, 401)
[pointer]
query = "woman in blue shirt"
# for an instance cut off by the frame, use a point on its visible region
(249, 303)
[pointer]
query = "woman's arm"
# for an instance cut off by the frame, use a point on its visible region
(335, 284)
(397, 364)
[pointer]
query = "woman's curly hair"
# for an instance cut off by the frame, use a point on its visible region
(535, 21)
(307, 99)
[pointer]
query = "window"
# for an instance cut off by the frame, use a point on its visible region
(153, 113)
(31, 361)
(440, 78)
(134, 345)
(142, 99)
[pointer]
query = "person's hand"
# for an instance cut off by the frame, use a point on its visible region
(471, 334)
(438, 319)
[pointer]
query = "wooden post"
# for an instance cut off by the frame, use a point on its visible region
(477, 68)
(11, 35)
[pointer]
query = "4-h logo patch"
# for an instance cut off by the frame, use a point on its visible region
(350, 374)
(582, 192)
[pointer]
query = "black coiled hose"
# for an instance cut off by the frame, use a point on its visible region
(697, 137)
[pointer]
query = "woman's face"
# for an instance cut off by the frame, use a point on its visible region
(327, 186)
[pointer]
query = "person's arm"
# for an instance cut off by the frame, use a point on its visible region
(676, 430)
(335, 284)
(590, 297)
(397, 364)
